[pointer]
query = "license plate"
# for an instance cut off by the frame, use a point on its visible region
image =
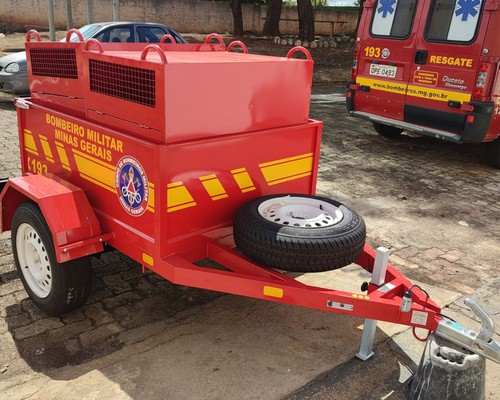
(387, 71)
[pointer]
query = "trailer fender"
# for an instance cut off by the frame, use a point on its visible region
(74, 226)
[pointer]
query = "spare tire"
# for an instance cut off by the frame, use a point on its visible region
(299, 233)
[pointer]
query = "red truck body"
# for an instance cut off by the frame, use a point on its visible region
(429, 67)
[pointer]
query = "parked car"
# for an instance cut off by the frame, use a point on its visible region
(14, 72)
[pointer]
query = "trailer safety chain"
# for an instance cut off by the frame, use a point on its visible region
(414, 331)
(406, 307)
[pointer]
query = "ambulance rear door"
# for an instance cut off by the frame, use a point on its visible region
(445, 65)
(385, 54)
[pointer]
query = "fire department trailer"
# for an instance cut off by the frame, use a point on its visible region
(155, 150)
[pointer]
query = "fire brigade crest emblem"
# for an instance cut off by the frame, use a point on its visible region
(131, 186)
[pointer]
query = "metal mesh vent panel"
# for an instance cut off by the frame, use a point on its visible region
(128, 83)
(59, 63)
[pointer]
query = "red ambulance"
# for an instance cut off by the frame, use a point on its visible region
(430, 67)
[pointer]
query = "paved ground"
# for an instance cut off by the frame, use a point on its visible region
(435, 204)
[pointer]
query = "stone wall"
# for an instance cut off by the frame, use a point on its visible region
(182, 15)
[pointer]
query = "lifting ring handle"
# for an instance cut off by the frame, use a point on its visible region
(299, 48)
(167, 36)
(76, 32)
(157, 49)
(237, 43)
(91, 42)
(216, 36)
(33, 32)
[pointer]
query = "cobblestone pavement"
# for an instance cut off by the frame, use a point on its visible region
(436, 204)
(123, 299)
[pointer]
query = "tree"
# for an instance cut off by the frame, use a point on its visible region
(306, 20)
(273, 16)
(237, 17)
(361, 4)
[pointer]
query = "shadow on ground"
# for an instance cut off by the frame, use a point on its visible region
(123, 299)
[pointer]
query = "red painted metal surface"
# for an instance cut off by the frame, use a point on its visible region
(239, 44)
(57, 70)
(228, 93)
(192, 187)
(75, 229)
(159, 174)
(54, 74)
(245, 278)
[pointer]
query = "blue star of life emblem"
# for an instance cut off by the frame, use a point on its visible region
(386, 7)
(466, 8)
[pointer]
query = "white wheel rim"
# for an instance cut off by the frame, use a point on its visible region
(34, 260)
(303, 212)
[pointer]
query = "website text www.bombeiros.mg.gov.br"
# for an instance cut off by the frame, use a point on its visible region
(413, 90)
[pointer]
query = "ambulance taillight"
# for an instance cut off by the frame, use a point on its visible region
(354, 71)
(484, 81)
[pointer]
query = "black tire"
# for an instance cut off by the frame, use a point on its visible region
(55, 288)
(493, 153)
(387, 131)
(335, 240)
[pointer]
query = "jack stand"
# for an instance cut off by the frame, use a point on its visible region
(370, 325)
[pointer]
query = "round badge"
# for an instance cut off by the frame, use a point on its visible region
(385, 53)
(131, 186)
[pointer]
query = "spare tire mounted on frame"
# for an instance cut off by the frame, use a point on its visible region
(299, 233)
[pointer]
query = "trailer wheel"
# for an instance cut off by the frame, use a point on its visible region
(299, 233)
(493, 153)
(386, 130)
(57, 288)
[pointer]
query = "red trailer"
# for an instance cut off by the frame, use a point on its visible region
(158, 151)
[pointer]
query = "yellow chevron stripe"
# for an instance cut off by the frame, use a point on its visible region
(284, 160)
(214, 187)
(151, 200)
(178, 197)
(243, 180)
(46, 148)
(290, 178)
(97, 182)
(98, 170)
(29, 143)
(63, 156)
(287, 169)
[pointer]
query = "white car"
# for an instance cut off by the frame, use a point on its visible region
(14, 72)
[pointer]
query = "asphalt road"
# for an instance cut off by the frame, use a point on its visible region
(436, 205)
